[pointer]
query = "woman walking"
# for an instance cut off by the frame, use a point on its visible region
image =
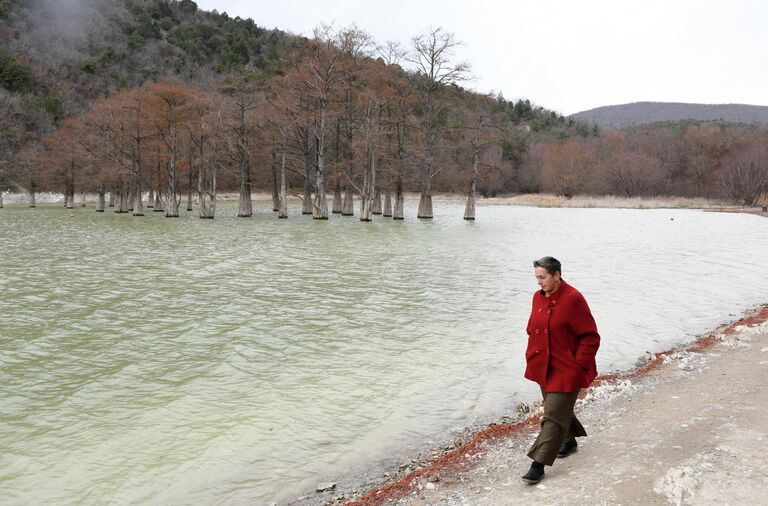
(562, 343)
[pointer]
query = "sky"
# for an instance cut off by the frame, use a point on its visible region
(566, 55)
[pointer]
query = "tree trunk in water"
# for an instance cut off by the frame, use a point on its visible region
(101, 201)
(425, 202)
(348, 206)
(337, 203)
(158, 208)
(425, 206)
(125, 204)
(138, 203)
(82, 198)
(158, 203)
(376, 204)
(469, 212)
(189, 187)
(275, 189)
(172, 209)
(320, 207)
(117, 190)
(69, 196)
(32, 190)
(387, 204)
(246, 205)
(1, 199)
(117, 200)
(365, 207)
(399, 201)
(206, 191)
(112, 196)
(151, 197)
(283, 213)
(306, 207)
(369, 180)
(365, 197)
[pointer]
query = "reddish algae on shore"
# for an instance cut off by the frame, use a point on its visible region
(464, 457)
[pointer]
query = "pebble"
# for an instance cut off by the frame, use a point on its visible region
(325, 487)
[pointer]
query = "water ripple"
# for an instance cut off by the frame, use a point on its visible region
(240, 360)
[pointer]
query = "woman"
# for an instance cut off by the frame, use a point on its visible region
(562, 343)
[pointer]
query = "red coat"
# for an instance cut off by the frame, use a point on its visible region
(562, 341)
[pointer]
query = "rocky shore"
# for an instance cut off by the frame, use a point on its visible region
(687, 426)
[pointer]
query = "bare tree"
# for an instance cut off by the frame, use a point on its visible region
(243, 100)
(568, 167)
(337, 201)
(399, 118)
(172, 108)
(703, 150)
(484, 139)
(204, 134)
(321, 71)
(434, 71)
(744, 177)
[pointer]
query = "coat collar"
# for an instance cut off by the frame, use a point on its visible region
(552, 299)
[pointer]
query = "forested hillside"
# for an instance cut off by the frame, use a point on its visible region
(121, 97)
(59, 58)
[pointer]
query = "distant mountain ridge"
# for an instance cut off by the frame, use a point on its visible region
(639, 113)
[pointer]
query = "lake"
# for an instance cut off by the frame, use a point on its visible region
(188, 361)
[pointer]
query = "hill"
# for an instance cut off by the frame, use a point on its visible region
(58, 57)
(639, 113)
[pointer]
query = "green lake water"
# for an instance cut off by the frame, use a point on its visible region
(229, 361)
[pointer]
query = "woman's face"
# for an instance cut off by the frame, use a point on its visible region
(547, 282)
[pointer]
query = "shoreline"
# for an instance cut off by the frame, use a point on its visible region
(449, 467)
(541, 200)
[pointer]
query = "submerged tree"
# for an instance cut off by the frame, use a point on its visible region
(64, 158)
(204, 133)
(434, 72)
(324, 66)
(172, 107)
(243, 102)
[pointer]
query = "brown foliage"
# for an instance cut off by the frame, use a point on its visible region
(568, 167)
(744, 176)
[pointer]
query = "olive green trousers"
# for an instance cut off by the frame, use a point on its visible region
(558, 425)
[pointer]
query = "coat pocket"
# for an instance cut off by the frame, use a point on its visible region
(573, 359)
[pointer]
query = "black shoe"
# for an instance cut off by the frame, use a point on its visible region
(535, 474)
(567, 448)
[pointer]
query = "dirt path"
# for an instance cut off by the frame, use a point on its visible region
(693, 430)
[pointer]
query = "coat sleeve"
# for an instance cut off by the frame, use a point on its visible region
(585, 329)
(530, 317)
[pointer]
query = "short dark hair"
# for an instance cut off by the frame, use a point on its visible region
(552, 264)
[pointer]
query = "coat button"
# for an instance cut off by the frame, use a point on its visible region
(537, 331)
(548, 311)
(546, 331)
(539, 310)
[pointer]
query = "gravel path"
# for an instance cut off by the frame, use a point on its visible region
(691, 431)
